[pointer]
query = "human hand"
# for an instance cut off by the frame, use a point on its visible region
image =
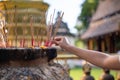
(61, 41)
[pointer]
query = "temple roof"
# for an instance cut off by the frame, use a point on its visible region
(105, 20)
(64, 30)
(105, 8)
(105, 28)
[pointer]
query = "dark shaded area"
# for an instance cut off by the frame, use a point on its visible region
(7, 54)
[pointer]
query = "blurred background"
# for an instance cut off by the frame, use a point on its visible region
(88, 24)
(81, 17)
(95, 25)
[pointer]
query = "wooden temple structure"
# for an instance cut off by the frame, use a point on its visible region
(103, 33)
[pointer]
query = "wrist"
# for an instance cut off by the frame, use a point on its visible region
(66, 47)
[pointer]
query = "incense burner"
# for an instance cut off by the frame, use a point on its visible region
(26, 57)
(30, 64)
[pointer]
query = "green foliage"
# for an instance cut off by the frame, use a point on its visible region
(79, 43)
(79, 27)
(88, 8)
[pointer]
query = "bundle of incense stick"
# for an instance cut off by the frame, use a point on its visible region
(50, 29)
(57, 25)
(3, 24)
(2, 34)
(6, 19)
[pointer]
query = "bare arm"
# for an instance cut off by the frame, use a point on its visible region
(97, 58)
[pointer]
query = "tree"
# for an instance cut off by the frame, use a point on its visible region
(88, 8)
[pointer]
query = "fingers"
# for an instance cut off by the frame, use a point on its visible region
(58, 38)
(55, 42)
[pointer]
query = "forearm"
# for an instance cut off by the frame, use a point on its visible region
(93, 57)
(97, 58)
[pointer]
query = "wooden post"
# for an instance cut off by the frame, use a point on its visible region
(103, 46)
(90, 44)
(99, 44)
(112, 43)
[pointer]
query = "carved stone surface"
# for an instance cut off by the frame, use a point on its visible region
(30, 64)
(51, 71)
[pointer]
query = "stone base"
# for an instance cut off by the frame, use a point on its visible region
(30, 64)
(50, 71)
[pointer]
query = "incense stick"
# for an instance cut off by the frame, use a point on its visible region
(37, 38)
(40, 30)
(23, 28)
(32, 32)
(51, 26)
(48, 29)
(15, 20)
(53, 16)
(11, 22)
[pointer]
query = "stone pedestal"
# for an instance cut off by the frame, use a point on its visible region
(52, 71)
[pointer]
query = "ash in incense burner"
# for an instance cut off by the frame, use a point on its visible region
(30, 64)
(26, 54)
